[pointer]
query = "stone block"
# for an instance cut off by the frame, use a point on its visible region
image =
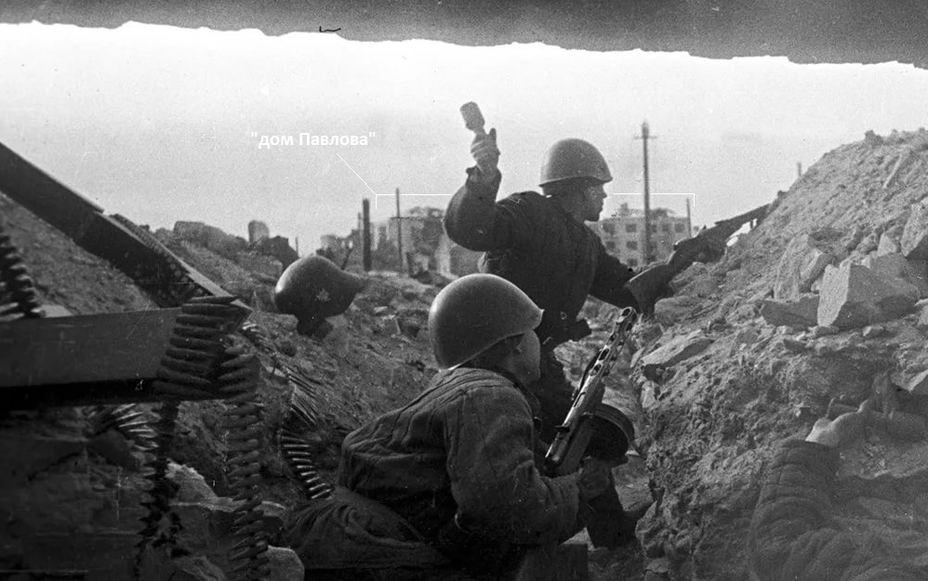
(914, 241)
(677, 350)
(896, 266)
(800, 266)
(801, 312)
(852, 296)
(889, 242)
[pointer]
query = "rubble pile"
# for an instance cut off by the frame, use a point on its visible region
(73, 499)
(824, 300)
(65, 275)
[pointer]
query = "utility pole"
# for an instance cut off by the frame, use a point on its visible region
(799, 168)
(646, 251)
(366, 234)
(399, 235)
(689, 220)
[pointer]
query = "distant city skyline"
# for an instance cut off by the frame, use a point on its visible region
(163, 124)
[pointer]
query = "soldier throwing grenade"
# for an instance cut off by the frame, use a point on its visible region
(541, 244)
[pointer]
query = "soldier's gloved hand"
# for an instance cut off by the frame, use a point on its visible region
(594, 478)
(706, 247)
(841, 430)
(688, 251)
(486, 154)
(650, 286)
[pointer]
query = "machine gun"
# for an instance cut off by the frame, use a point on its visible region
(171, 352)
(182, 351)
(591, 427)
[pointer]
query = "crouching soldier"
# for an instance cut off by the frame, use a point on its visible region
(793, 535)
(447, 487)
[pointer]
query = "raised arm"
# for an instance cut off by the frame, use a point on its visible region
(474, 219)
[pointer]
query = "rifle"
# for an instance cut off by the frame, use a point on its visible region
(591, 427)
(709, 244)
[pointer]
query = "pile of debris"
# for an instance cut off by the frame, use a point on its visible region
(75, 490)
(824, 303)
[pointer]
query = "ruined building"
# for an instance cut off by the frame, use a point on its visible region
(426, 247)
(257, 230)
(623, 233)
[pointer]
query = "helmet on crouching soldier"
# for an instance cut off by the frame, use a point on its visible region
(475, 313)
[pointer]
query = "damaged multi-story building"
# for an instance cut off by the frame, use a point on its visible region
(623, 233)
(419, 235)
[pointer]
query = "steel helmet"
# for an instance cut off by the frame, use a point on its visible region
(475, 312)
(573, 158)
(314, 288)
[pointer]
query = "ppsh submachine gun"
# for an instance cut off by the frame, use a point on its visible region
(114, 361)
(591, 427)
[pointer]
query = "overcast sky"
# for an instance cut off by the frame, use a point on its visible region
(163, 124)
